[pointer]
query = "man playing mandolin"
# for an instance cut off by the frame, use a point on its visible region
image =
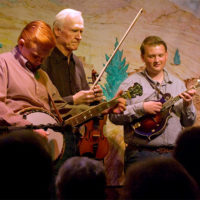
(153, 120)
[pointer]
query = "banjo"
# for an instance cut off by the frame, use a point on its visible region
(38, 116)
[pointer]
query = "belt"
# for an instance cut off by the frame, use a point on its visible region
(159, 149)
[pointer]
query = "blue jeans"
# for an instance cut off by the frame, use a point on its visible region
(133, 156)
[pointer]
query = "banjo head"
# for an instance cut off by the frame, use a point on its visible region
(43, 117)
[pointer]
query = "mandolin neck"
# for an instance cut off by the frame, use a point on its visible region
(172, 101)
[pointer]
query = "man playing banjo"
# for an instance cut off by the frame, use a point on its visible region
(23, 85)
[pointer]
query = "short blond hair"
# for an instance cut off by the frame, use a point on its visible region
(152, 41)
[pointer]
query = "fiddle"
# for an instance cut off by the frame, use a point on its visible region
(93, 143)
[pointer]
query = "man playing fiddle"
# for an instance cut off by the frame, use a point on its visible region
(65, 69)
(63, 66)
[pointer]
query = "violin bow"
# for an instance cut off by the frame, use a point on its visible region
(108, 62)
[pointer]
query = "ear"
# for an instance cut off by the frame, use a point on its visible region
(166, 55)
(21, 43)
(56, 31)
(142, 57)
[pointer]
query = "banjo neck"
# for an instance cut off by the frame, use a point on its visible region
(89, 114)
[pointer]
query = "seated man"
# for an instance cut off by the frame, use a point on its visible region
(23, 85)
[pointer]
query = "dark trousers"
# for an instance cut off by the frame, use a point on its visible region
(133, 155)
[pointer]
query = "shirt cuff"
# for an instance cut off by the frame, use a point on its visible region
(189, 110)
(69, 100)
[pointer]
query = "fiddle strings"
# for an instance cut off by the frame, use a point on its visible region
(108, 62)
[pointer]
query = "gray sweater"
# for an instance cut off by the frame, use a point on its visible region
(180, 116)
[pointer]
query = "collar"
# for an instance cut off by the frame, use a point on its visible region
(17, 54)
(167, 78)
(23, 61)
(59, 56)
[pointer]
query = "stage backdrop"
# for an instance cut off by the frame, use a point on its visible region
(106, 21)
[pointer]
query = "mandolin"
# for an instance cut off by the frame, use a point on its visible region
(153, 125)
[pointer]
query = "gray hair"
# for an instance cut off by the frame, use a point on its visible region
(63, 14)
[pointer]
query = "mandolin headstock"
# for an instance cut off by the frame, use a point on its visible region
(132, 92)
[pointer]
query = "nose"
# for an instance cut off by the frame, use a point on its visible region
(79, 35)
(157, 59)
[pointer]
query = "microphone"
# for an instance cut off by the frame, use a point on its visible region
(45, 127)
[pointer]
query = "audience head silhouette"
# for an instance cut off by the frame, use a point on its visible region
(159, 178)
(81, 178)
(187, 151)
(26, 166)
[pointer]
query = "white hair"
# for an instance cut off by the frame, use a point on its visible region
(61, 17)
